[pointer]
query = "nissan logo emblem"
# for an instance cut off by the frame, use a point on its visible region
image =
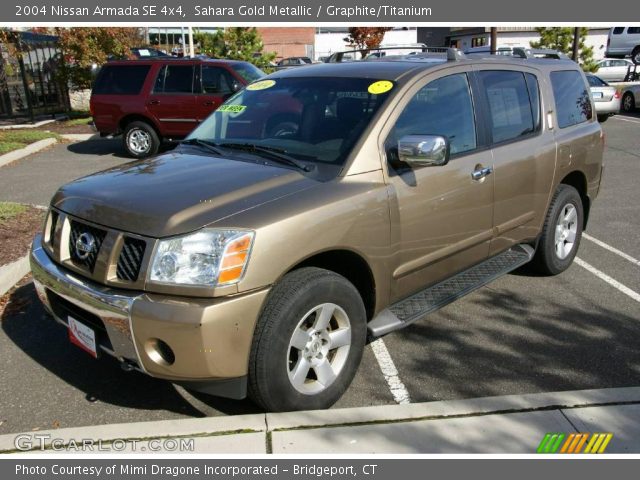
(85, 245)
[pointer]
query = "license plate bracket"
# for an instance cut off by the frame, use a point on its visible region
(82, 336)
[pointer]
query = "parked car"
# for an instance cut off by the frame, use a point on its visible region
(624, 42)
(294, 62)
(613, 69)
(318, 208)
(148, 101)
(605, 97)
(630, 97)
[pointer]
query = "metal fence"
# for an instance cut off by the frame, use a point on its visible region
(29, 82)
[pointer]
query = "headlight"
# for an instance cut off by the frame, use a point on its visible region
(208, 257)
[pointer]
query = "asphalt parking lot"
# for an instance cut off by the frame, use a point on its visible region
(520, 334)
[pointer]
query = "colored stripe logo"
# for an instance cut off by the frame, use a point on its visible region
(574, 443)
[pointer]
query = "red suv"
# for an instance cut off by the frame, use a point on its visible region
(148, 101)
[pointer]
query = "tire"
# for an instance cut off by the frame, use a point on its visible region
(285, 341)
(635, 55)
(140, 139)
(628, 102)
(603, 118)
(555, 253)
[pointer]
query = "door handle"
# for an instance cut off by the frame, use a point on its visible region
(154, 102)
(482, 172)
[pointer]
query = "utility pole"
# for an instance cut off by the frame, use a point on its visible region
(576, 43)
(494, 40)
(191, 49)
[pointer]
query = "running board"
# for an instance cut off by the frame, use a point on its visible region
(420, 304)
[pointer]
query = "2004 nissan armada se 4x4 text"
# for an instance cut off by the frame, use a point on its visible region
(316, 209)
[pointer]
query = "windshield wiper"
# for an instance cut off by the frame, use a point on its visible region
(206, 144)
(269, 152)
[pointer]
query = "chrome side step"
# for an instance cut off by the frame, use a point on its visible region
(420, 304)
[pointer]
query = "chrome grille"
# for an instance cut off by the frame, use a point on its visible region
(130, 259)
(52, 228)
(76, 230)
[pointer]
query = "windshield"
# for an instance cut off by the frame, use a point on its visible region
(316, 120)
(248, 71)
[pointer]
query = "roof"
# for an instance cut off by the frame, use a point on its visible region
(169, 59)
(396, 67)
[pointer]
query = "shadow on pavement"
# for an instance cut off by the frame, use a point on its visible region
(30, 327)
(107, 146)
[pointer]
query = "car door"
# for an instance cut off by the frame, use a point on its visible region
(617, 71)
(215, 84)
(524, 153)
(441, 216)
(172, 102)
(605, 71)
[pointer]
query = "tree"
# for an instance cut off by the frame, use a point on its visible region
(366, 38)
(235, 43)
(561, 39)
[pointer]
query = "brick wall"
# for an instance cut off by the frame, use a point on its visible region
(287, 41)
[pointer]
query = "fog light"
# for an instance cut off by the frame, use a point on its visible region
(159, 352)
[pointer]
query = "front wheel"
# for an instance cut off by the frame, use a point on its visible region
(561, 233)
(308, 342)
(140, 139)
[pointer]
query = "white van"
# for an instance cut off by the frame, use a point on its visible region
(624, 42)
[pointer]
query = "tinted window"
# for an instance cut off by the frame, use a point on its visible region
(442, 107)
(175, 79)
(618, 30)
(534, 97)
(248, 71)
(120, 79)
(633, 30)
(573, 104)
(595, 81)
(216, 80)
(509, 105)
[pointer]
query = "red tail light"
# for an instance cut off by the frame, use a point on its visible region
(617, 94)
(91, 107)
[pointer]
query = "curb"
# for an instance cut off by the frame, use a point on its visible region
(35, 147)
(79, 137)
(11, 273)
(273, 422)
(27, 125)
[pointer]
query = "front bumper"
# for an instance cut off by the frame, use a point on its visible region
(210, 339)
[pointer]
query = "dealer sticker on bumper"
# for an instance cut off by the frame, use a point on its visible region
(82, 336)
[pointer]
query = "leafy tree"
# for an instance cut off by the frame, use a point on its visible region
(561, 39)
(235, 43)
(366, 38)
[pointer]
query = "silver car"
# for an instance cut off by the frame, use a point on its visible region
(613, 69)
(605, 97)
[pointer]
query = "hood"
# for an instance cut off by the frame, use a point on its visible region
(175, 193)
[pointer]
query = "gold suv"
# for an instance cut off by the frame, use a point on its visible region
(317, 209)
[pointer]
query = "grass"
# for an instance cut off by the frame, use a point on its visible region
(78, 114)
(77, 121)
(15, 139)
(10, 210)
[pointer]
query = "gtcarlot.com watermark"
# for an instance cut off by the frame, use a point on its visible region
(45, 441)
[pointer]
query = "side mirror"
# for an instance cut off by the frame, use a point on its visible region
(424, 150)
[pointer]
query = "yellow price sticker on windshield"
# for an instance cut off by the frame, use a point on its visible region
(381, 86)
(232, 108)
(261, 85)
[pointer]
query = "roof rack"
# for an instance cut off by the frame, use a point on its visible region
(539, 53)
(451, 54)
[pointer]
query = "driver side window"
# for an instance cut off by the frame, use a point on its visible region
(442, 107)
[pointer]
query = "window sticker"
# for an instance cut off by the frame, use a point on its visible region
(232, 108)
(381, 86)
(261, 85)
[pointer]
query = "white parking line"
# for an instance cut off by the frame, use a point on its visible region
(614, 283)
(617, 117)
(611, 249)
(390, 372)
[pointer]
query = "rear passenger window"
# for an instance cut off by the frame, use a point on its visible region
(513, 110)
(618, 30)
(573, 104)
(120, 79)
(633, 30)
(174, 79)
(442, 107)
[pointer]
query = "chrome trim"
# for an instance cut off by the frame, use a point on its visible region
(113, 309)
(179, 120)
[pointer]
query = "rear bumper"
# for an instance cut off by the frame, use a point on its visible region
(209, 339)
(610, 107)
